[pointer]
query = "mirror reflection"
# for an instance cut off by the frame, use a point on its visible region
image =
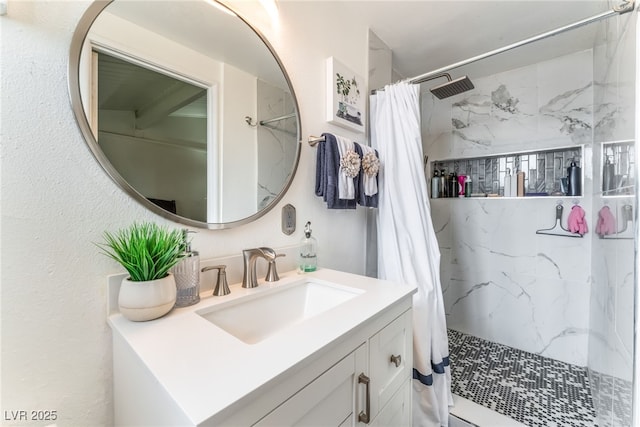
(190, 109)
(151, 122)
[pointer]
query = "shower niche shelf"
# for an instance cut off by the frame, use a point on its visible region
(617, 178)
(543, 170)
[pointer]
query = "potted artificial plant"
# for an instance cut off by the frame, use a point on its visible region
(147, 251)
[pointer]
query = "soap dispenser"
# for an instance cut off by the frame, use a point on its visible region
(187, 275)
(308, 251)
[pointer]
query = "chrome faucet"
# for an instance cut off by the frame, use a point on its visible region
(249, 279)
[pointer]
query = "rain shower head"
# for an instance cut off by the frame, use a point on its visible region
(445, 90)
(452, 87)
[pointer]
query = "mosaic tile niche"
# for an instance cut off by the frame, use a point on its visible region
(543, 170)
(618, 174)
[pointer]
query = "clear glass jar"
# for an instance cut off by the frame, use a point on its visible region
(187, 275)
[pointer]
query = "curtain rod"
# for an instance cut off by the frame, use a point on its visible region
(626, 6)
(277, 119)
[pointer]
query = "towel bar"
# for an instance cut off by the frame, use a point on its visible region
(313, 140)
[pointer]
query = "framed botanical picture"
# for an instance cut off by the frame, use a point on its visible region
(345, 96)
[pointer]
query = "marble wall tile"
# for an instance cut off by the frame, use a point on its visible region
(502, 281)
(625, 126)
(276, 147)
(610, 357)
(524, 108)
(538, 316)
(435, 122)
(566, 98)
(499, 112)
(614, 80)
(565, 298)
(379, 58)
(605, 91)
(611, 349)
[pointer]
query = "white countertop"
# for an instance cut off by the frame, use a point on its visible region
(205, 369)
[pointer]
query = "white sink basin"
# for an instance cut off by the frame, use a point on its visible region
(254, 318)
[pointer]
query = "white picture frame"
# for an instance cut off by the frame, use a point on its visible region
(345, 97)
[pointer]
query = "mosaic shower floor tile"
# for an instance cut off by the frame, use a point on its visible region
(534, 390)
(612, 400)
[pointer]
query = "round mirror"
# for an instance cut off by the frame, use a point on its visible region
(186, 107)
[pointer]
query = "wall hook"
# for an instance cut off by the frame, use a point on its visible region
(558, 229)
(250, 121)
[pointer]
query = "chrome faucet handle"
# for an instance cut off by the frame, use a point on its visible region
(268, 253)
(272, 273)
(222, 287)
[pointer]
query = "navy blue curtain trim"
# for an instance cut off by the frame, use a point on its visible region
(437, 368)
(424, 379)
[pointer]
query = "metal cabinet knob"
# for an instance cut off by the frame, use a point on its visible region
(396, 360)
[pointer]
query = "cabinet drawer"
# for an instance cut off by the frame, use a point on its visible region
(390, 360)
(327, 401)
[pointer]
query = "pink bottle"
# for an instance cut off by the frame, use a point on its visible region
(461, 181)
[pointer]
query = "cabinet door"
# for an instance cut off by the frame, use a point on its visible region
(390, 360)
(397, 412)
(327, 401)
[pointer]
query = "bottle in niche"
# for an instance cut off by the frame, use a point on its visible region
(468, 187)
(435, 184)
(514, 185)
(608, 177)
(574, 180)
(453, 185)
(462, 180)
(443, 184)
(507, 184)
(308, 251)
(187, 275)
(520, 184)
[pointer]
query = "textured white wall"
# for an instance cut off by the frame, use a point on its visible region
(56, 201)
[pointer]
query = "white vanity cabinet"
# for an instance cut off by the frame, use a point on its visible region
(348, 367)
(327, 401)
(371, 385)
(390, 367)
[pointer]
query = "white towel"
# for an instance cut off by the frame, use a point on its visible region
(370, 182)
(346, 188)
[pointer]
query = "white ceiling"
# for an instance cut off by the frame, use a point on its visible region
(425, 35)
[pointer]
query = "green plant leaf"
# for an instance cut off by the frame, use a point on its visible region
(147, 251)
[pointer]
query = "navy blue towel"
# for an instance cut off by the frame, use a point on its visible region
(327, 170)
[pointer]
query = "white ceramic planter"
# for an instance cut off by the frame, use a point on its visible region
(141, 301)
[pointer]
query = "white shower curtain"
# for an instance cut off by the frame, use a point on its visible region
(407, 248)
